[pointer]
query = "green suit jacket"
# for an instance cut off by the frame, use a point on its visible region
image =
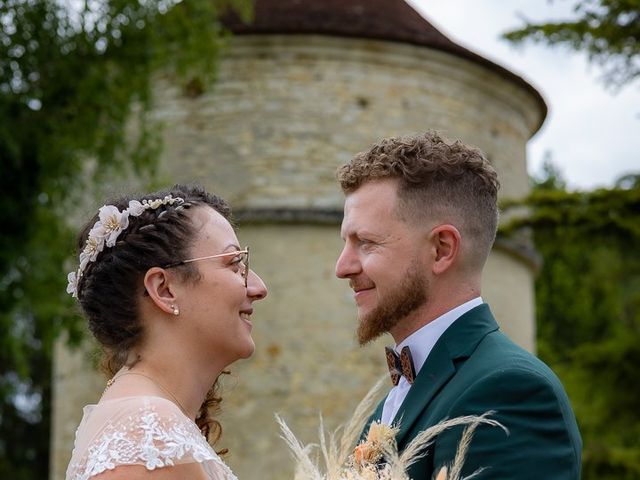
(474, 368)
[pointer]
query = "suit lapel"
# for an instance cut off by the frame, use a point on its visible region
(458, 341)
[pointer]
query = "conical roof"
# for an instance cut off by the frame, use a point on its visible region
(391, 20)
(379, 19)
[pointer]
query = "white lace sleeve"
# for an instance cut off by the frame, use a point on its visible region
(149, 431)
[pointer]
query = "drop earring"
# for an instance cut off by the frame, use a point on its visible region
(176, 310)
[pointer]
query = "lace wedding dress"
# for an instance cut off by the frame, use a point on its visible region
(141, 430)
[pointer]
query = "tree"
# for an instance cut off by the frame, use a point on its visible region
(607, 30)
(71, 81)
(588, 312)
(588, 292)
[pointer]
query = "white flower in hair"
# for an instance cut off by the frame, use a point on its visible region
(72, 287)
(136, 208)
(94, 244)
(152, 203)
(84, 261)
(111, 223)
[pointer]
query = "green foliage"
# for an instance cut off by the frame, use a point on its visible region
(588, 292)
(607, 30)
(603, 379)
(71, 83)
(588, 312)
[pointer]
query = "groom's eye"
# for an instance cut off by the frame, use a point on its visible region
(366, 243)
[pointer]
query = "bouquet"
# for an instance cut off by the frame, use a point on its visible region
(377, 456)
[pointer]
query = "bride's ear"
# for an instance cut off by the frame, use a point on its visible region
(157, 283)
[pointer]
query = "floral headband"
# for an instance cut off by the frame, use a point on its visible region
(106, 230)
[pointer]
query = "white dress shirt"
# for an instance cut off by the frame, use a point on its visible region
(421, 343)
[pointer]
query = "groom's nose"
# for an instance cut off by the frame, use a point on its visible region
(347, 264)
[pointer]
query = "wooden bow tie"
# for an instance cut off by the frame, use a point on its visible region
(400, 365)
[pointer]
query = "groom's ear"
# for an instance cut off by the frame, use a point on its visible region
(445, 242)
(158, 285)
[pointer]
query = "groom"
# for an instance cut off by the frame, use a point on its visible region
(420, 218)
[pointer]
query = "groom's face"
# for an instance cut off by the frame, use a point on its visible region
(380, 259)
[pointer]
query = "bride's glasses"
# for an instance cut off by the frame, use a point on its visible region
(242, 261)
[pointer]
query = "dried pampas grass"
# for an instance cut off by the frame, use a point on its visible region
(344, 459)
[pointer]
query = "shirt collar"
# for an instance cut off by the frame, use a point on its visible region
(422, 341)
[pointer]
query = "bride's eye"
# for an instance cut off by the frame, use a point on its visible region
(236, 261)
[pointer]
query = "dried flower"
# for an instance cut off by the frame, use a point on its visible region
(377, 458)
(442, 474)
(380, 438)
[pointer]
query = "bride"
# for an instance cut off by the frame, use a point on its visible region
(168, 294)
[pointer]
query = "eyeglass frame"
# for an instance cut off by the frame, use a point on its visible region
(244, 274)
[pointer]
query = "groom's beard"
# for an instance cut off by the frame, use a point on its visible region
(408, 296)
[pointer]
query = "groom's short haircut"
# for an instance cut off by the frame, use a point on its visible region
(438, 180)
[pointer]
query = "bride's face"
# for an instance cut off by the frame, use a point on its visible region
(217, 305)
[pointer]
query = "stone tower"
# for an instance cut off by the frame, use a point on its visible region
(300, 90)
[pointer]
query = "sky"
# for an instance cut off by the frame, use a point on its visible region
(591, 133)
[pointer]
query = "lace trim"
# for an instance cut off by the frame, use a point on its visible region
(146, 438)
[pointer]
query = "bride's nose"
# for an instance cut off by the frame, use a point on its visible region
(256, 289)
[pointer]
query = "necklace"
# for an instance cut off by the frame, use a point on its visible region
(154, 381)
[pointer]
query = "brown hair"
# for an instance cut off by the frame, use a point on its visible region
(439, 180)
(109, 288)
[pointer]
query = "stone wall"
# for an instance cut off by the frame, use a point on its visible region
(287, 110)
(285, 113)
